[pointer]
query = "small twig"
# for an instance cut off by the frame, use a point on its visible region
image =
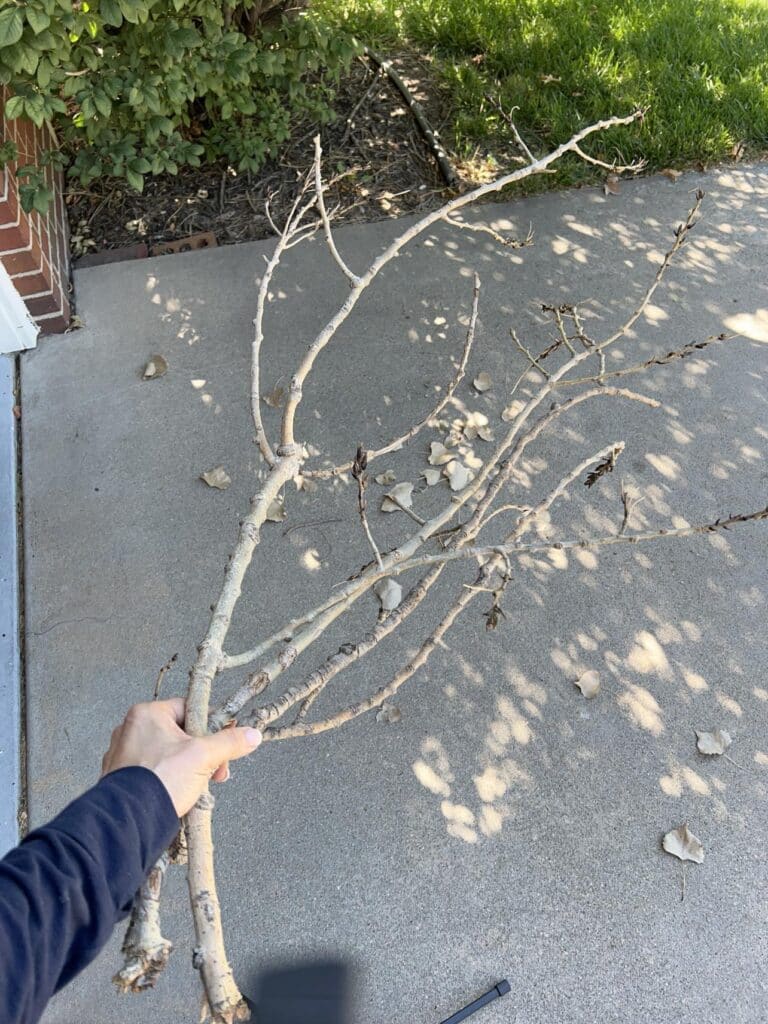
(168, 665)
(350, 276)
(359, 474)
(630, 503)
(510, 124)
(531, 359)
(510, 243)
(633, 168)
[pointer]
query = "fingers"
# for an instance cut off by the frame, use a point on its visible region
(228, 745)
(175, 707)
(222, 773)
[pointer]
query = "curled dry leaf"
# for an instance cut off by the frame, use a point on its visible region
(276, 512)
(482, 382)
(671, 173)
(217, 477)
(402, 494)
(589, 683)
(389, 713)
(458, 475)
(476, 425)
(439, 454)
(306, 484)
(432, 476)
(713, 743)
(512, 410)
(389, 593)
(156, 367)
(275, 398)
(387, 477)
(683, 844)
(611, 185)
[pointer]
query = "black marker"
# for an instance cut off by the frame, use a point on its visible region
(498, 990)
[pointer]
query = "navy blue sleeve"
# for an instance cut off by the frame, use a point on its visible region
(66, 886)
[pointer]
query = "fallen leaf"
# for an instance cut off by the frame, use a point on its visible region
(485, 433)
(218, 478)
(589, 684)
(306, 484)
(458, 475)
(468, 457)
(16, 410)
(275, 398)
(402, 493)
(549, 79)
(512, 410)
(482, 382)
(439, 454)
(389, 713)
(474, 424)
(683, 844)
(671, 173)
(276, 512)
(432, 476)
(713, 743)
(611, 185)
(156, 367)
(387, 477)
(389, 593)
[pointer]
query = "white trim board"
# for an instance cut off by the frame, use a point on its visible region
(18, 331)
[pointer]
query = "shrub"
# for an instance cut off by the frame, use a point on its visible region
(137, 87)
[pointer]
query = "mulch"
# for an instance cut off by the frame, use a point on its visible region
(374, 154)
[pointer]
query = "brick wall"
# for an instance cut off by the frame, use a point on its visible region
(33, 248)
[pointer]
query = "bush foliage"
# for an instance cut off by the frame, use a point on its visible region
(137, 87)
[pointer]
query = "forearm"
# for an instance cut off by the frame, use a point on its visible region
(63, 890)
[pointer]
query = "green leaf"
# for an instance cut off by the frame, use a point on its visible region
(14, 107)
(134, 180)
(11, 26)
(38, 19)
(44, 70)
(111, 13)
(140, 165)
(103, 103)
(42, 199)
(34, 108)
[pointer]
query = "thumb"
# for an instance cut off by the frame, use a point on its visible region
(229, 744)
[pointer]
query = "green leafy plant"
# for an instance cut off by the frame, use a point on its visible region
(138, 87)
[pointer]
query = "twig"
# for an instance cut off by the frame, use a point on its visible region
(168, 665)
(350, 276)
(511, 243)
(510, 124)
(450, 176)
(358, 473)
(633, 168)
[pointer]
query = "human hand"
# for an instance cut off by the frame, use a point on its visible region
(151, 736)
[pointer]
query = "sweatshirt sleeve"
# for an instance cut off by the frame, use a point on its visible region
(66, 886)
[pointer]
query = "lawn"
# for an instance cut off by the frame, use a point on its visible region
(700, 66)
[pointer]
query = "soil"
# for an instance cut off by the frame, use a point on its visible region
(375, 158)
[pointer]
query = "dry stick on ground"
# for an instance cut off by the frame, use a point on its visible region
(285, 461)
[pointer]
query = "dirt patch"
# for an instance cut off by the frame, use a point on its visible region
(379, 161)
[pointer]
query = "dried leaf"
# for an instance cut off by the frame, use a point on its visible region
(387, 477)
(671, 173)
(589, 684)
(217, 477)
(389, 713)
(439, 454)
(276, 512)
(547, 79)
(402, 493)
(275, 398)
(738, 150)
(482, 382)
(156, 367)
(611, 185)
(432, 476)
(458, 475)
(683, 844)
(713, 743)
(474, 424)
(389, 593)
(306, 484)
(485, 433)
(512, 410)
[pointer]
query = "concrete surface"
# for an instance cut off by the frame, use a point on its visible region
(505, 827)
(10, 661)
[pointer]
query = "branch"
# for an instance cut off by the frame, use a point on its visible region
(392, 250)
(633, 168)
(358, 472)
(350, 276)
(145, 950)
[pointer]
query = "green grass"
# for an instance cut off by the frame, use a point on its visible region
(700, 66)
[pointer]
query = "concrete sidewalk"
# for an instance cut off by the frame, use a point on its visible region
(505, 827)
